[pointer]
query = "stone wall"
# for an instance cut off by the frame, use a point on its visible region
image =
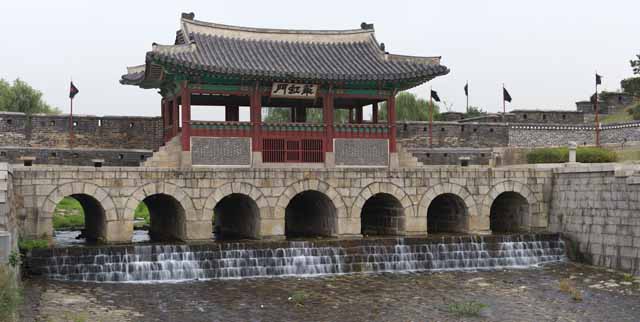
(107, 132)
(559, 135)
(118, 191)
(82, 157)
(547, 117)
(598, 208)
(452, 156)
(452, 134)
(8, 222)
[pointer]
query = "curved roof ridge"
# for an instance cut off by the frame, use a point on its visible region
(293, 35)
(429, 60)
(173, 49)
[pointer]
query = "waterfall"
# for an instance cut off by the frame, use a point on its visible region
(216, 260)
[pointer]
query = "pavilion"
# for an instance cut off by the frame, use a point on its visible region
(229, 67)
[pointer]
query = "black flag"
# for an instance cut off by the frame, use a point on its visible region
(466, 89)
(598, 79)
(505, 95)
(435, 96)
(73, 90)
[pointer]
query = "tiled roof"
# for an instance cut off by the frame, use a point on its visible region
(345, 55)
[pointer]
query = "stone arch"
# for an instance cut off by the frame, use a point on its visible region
(165, 188)
(79, 188)
(382, 187)
(512, 187)
(447, 188)
(99, 210)
(305, 185)
(461, 207)
(231, 188)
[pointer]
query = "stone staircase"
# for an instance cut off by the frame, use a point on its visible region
(168, 156)
(406, 158)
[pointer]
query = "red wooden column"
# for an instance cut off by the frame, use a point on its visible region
(163, 116)
(359, 115)
(391, 119)
(255, 112)
(374, 113)
(186, 118)
(327, 116)
(174, 117)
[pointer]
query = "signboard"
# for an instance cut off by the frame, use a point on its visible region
(293, 90)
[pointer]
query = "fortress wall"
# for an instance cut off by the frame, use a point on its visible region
(107, 132)
(540, 135)
(598, 208)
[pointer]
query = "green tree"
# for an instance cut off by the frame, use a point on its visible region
(474, 111)
(631, 85)
(411, 108)
(21, 97)
(635, 65)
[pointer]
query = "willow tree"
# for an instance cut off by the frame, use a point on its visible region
(21, 97)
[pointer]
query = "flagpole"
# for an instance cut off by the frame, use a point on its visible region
(71, 121)
(597, 112)
(467, 92)
(504, 104)
(430, 117)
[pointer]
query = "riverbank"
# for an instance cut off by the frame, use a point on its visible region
(545, 294)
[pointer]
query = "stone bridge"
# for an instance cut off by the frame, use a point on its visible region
(285, 203)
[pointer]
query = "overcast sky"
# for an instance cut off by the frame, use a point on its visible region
(545, 52)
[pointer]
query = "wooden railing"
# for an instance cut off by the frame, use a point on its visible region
(292, 150)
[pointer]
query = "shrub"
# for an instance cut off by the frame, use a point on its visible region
(561, 155)
(27, 245)
(634, 111)
(471, 308)
(10, 294)
(595, 155)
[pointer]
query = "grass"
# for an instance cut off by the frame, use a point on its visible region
(142, 213)
(568, 286)
(69, 215)
(27, 245)
(631, 154)
(10, 294)
(470, 308)
(298, 298)
(618, 117)
(628, 277)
